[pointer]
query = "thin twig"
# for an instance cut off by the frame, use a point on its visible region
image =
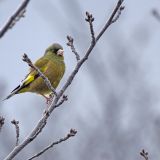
(64, 98)
(42, 122)
(19, 13)
(118, 14)
(15, 123)
(1, 122)
(72, 133)
(90, 20)
(89, 50)
(110, 20)
(46, 80)
(144, 154)
(70, 44)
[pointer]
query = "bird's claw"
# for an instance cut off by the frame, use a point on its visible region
(49, 99)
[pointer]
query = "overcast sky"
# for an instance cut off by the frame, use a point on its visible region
(50, 21)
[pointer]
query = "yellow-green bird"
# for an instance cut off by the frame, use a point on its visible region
(51, 65)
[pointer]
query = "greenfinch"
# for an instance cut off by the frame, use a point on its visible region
(51, 65)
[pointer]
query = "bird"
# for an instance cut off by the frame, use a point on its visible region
(52, 65)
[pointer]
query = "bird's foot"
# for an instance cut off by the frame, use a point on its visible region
(48, 99)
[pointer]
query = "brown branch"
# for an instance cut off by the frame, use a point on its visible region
(15, 123)
(1, 122)
(90, 20)
(19, 13)
(110, 20)
(42, 122)
(144, 154)
(46, 80)
(64, 98)
(89, 50)
(72, 133)
(70, 44)
(118, 14)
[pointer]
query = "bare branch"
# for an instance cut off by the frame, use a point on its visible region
(1, 122)
(46, 80)
(72, 133)
(118, 14)
(15, 123)
(144, 154)
(64, 98)
(19, 13)
(89, 50)
(70, 44)
(156, 14)
(90, 20)
(110, 20)
(42, 122)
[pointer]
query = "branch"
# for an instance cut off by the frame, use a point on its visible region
(42, 122)
(70, 43)
(144, 154)
(15, 123)
(46, 80)
(89, 50)
(64, 98)
(1, 122)
(90, 20)
(19, 13)
(118, 14)
(110, 20)
(72, 133)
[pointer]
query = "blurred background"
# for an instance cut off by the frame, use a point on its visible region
(114, 101)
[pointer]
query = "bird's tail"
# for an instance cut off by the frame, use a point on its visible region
(15, 91)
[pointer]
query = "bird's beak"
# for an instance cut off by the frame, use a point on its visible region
(60, 52)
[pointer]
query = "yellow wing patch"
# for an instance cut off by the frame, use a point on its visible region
(29, 79)
(33, 75)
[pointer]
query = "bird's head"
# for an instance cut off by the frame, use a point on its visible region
(55, 50)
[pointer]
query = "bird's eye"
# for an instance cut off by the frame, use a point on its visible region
(55, 51)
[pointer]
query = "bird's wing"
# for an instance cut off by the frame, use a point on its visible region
(42, 65)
